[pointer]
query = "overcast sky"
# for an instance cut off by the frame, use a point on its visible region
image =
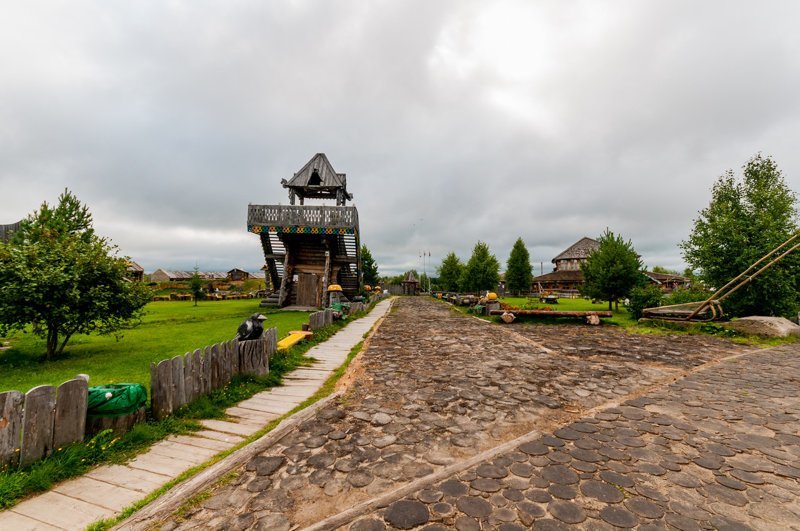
(455, 121)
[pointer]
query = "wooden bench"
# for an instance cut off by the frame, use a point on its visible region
(294, 337)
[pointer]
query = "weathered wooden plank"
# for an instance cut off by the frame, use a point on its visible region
(233, 345)
(227, 357)
(70, 416)
(197, 373)
(328, 317)
(163, 392)
(188, 379)
(271, 337)
(216, 380)
(37, 424)
(178, 386)
(207, 368)
(10, 427)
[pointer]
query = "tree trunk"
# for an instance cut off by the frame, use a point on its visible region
(52, 342)
(616, 305)
(609, 305)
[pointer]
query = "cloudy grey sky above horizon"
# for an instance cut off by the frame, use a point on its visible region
(455, 121)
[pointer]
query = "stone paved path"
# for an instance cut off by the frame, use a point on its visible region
(436, 387)
(106, 490)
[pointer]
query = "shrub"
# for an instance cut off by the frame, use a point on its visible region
(642, 297)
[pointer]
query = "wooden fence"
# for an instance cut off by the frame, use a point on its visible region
(178, 381)
(319, 319)
(44, 418)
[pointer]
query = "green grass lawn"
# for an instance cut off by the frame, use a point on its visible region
(621, 317)
(167, 330)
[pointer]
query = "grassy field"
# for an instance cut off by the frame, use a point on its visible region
(168, 329)
(621, 317)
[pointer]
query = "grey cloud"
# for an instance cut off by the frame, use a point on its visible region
(167, 119)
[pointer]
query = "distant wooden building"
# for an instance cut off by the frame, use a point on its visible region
(164, 275)
(307, 248)
(236, 275)
(567, 276)
(135, 272)
(410, 284)
(7, 230)
(667, 281)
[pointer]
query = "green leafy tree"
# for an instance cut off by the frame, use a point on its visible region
(450, 273)
(369, 267)
(613, 270)
(745, 220)
(663, 270)
(60, 278)
(196, 285)
(482, 271)
(518, 269)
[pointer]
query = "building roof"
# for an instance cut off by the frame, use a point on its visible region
(411, 278)
(133, 266)
(579, 250)
(660, 278)
(239, 269)
(317, 174)
(560, 276)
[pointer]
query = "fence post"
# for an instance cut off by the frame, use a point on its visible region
(178, 385)
(37, 424)
(162, 393)
(10, 427)
(70, 415)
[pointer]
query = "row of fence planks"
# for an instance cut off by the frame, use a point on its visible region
(44, 418)
(320, 319)
(176, 382)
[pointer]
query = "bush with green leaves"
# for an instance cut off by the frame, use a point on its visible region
(643, 296)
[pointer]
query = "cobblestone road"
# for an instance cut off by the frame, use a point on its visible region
(436, 387)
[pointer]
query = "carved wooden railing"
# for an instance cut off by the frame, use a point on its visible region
(303, 216)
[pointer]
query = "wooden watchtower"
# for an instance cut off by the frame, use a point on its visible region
(309, 247)
(7, 230)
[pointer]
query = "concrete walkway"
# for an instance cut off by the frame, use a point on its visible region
(106, 490)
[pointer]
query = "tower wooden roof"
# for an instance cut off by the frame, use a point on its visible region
(318, 179)
(579, 250)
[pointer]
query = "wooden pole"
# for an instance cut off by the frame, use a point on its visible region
(325, 277)
(286, 273)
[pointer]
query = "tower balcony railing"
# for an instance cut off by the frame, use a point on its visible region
(336, 217)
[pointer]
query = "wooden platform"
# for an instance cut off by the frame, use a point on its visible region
(554, 313)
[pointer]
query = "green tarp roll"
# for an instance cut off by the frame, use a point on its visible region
(116, 400)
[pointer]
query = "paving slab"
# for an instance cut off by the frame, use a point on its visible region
(251, 415)
(168, 466)
(229, 427)
(218, 436)
(11, 521)
(185, 452)
(131, 478)
(98, 492)
(62, 511)
(201, 442)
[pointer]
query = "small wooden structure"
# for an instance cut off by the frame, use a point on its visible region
(135, 272)
(6, 230)
(307, 248)
(237, 274)
(410, 284)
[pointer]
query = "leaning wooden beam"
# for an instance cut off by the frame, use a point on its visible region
(548, 313)
(284, 280)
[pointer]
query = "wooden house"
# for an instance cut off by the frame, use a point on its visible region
(6, 230)
(567, 277)
(135, 272)
(668, 281)
(236, 275)
(307, 248)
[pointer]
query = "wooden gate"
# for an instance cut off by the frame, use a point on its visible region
(307, 289)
